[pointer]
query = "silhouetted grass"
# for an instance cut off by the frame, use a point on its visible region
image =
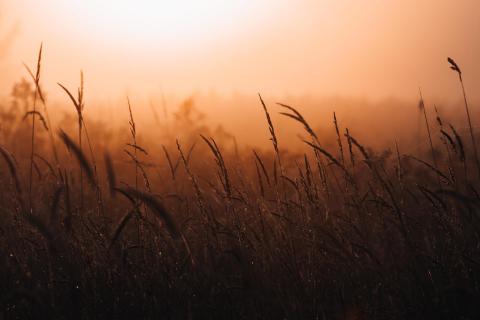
(218, 232)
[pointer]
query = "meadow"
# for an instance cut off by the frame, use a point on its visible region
(101, 222)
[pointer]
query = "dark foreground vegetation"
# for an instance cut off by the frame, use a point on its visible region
(102, 225)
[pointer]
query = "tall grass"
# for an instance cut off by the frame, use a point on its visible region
(34, 113)
(337, 230)
(454, 66)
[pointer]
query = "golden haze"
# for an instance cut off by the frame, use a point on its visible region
(372, 49)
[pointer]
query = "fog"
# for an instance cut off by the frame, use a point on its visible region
(370, 49)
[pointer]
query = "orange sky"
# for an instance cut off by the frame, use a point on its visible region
(362, 48)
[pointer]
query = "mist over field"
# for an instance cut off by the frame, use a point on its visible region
(366, 49)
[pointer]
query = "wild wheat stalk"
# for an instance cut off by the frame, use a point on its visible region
(271, 128)
(37, 81)
(45, 109)
(78, 153)
(133, 131)
(79, 105)
(339, 139)
(423, 108)
(80, 122)
(454, 66)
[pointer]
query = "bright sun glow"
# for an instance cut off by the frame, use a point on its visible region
(178, 20)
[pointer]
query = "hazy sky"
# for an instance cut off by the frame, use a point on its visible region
(320, 47)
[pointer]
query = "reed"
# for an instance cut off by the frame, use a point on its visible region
(79, 105)
(79, 155)
(271, 128)
(454, 66)
(34, 112)
(119, 228)
(12, 167)
(155, 205)
(339, 139)
(111, 176)
(55, 205)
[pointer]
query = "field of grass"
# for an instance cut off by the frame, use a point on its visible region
(102, 224)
